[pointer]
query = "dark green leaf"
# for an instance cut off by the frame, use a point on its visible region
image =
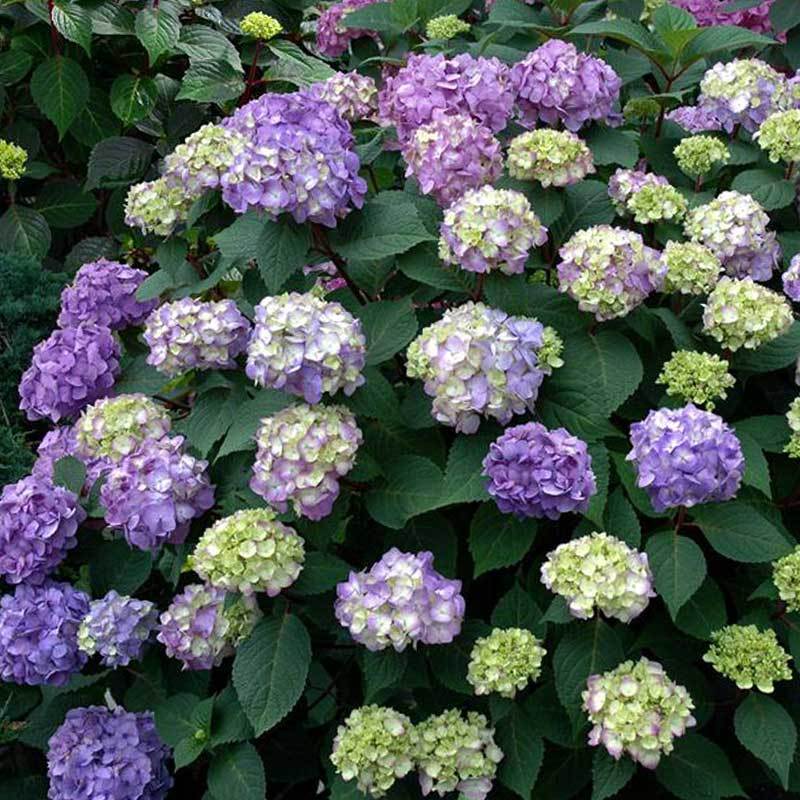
(321, 572)
(296, 66)
(14, 66)
(678, 565)
(621, 520)
(65, 205)
(133, 97)
(202, 43)
(517, 609)
(609, 776)
(158, 29)
(722, 38)
(774, 355)
(756, 472)
(587, 204)
(60, 89)
(463, 479)
(96, 122)
(237, 773)
(117, 162)
(73, 22)
(765, 728)
(523, 750)
(241, 435)
(228, 722)
(769, 188)
(612, 146)
(498, 540)
(704, 612)
(383, 670)
(23, 230)
(414, 485)
(389, 326)
(211, 82)
(70, 473)
(116, 565)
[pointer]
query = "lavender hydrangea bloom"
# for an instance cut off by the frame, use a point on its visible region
(354, 96)
(192, 334)
(450, 155)
(791, 279)
(555, 83)
(400, 600)
(433, 84)
(536, 472)
(299, 160)
(103, 754)
(154, 493)
(306, 346)
(39, 633)
(117, 628)
(685, 456)
(695, 119)
(717, 12)
(60, 443)
(70, 369)
(104, 292)
(38, 523)
(333, 38)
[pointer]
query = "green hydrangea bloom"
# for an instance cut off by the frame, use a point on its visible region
(259, 25)
(554, 158)
(249, 551)
(691, 268)
(446, 27)
(741, 313)
(457, 752)
(786, 577)
(375, 746)
(13, 159)
(779, 136)
(793, 418)
(749, 657)
(505, 661)
(641, 109)
(656, 203)
(698, 378)
(156, 207)
(697, 155)
(549, 354)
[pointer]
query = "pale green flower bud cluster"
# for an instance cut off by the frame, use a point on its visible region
(13, 159)
(741, 313)
(779, 136)
(457, 752)
(657, 203)
(691, 268)
(375, 746)
(549, 354)
(115, 426)
(793, 418)
(786, 577)
(505, 661)
(699, 378)
(641, 109)
(446, 27)
(749, 657)
(259, 25)
(697, 155)
(156, 207)
(554, 158)
(249, 551)
(601, 572)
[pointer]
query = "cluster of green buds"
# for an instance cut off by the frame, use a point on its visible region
(640, 110)
(261, 26)
(691, 268)
(749, 657)
(793, 418)
(786, 577)
(446, 27)
(13, 159)
(505, 661)
(694, 377)
(156, 207)
(554, 158)
(657, 203)
(779, 136)
(698, 155)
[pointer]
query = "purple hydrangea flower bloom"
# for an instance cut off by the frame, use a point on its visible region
(333, 38)
(695, 119)
(117, 628)
(450, 155)
(69, 370)
(299, 160)
(104, 292)
(60, 443)
(154, 493)
(685, 456)
(38, 523)
(791, 280)
(555, 83)
(535, 472)
(400, 600)
(192, 334)
(433, 84)
(354, 96)
(39, 633)
(100, 754)
(716, 12)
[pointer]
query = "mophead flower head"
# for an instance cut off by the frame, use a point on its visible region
(38, 523)
(740, 313)
(375, 747)
(734, 227)
(354, 96)
(625, 183)
(306, 346)
(201, 630)
(554, 158)
(154, 493)
(478, 362)
(456, 751)
(299, 160)
(505, 661)
(599, 572)
(749, 657)
(786, 577)
(117, 628)
(791, 279)
(100, 754)
(636, 709)
(192, 334)
(685, 457)
(536, 472)
(450, 155)
(779, 136)
(555, 83)
(695, 377)
(333, 36)
(608, 271)
(70, 369)
(261, 26)
(446, 27)
(156, 207)
(695, 119)
(13, 160)
(248, 552)
(39, 633)
(490, 229)
(691, 268)
(302, 453)
(698, 155)
(400, 600)
(718, 12)
(645, 197)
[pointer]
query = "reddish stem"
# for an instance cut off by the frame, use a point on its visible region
(251, 75)
(53, 30)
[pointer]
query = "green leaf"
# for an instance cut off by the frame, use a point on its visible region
(211, 82)
(587, 203)
(756, 469)
(228, 722)
(774, 355)
(321, 572)
(609, 776)
(158, 29)
(765, 728)
(241, 434)
(679, 568)
(211, 417)
(14, 66)
(738, 531)
(133, 97)
(389, 326)
(60, 89)
(517, 737)
(23, 230)
(270, 669)
(769, 188)
(117, 162)
(449, 664)
(704, 612)
(391, 18)
(602, 471)
(110, 19)
(237, 773)
(202, 43)
(770, 432)
(73, 22)
(517, 609)
(116, 565)
(784, 15)
(498, 540)
(722, 38)
(178, 717)
(622, 30)
(463, 479)
(296, 66)
(96, 122)
(612, 146)
(65, 205)
(382, 670)
(621, 520)
(70, 473)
